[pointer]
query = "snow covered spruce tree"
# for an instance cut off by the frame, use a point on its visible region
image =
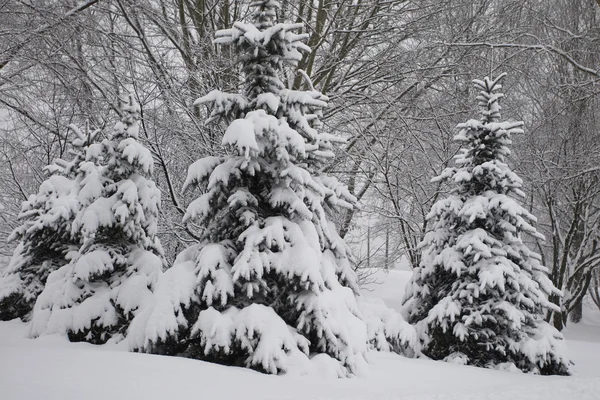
(111, 276)
(45, 235)
(270, 283)
(480, 294)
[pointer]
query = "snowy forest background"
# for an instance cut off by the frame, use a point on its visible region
(398, 77)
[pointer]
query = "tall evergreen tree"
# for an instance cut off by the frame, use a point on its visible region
(111, 276)
(45, 236)
(480, 294)
(270, 280)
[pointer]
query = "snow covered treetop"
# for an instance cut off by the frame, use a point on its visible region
(489, 138)
(128, 126)
(123, 144)
(488, 97)
(268, 52)
(481, 163)
(264, 46)
(265, 13)
(85, 138)
(84, 148)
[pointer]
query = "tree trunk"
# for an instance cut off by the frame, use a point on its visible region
(558, 321)
(577, 313)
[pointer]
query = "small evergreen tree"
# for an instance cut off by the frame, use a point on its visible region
(110, 277)
(480, 294)
(45, 236)
(270, 281)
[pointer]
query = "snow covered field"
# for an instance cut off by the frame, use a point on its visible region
(52, 368)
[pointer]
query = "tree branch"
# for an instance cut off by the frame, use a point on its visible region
(14, 50)
(543, 47)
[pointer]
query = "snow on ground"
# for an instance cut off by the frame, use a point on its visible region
(52, 368)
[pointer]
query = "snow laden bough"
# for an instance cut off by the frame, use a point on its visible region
(270, 285)
(479, 295)
(110, 277)
(45, 235)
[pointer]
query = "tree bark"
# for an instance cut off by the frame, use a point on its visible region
(577, 313)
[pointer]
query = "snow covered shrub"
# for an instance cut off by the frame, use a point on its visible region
(111, 276)
(386, 328)
(480, 294)
(270, 281)
(45, 236)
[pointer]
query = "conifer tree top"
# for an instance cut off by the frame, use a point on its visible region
(488, 98)
(128, 126)
(265, 13)
(264, 46)
(480, 164)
